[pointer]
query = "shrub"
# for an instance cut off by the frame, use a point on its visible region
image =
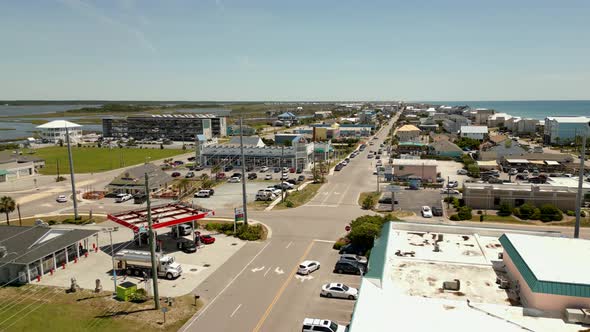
(52, 222)
(526, 211)
(368, 203)
(289, 204)
(570, 213)
(464, 213)
(550, 212)
(339, 244)
(505, 209)
(250, 232)
(138, 296)
(583, 214)
(454, 217)
(536, 214)
(516, 212)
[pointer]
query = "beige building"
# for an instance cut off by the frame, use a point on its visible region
(546, 272)
(490, 196)
(408, 133)
(422, 168)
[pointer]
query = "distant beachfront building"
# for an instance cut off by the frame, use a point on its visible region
(55, 131)
(498, 119)
(454, 122)
(564, 129)
(474, 132)
(176, 127)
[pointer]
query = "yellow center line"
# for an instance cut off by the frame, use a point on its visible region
(282, 289)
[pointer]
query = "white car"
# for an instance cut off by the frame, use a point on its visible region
(462, 171)
(452, 184)
(264, 169)
(315, 324)
(450, 191)
(285, 169)
(353, 258)
(340, 291)
(344, 163)
(285, 176)
(123, 198)
(426, 212)
(268, 177)
(307, 267)
(273, 190)
(204, 193)
(234, 179)
(61, 199)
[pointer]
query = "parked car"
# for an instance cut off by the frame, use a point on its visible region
(352, 249)
(513, 171)
(284, 186)
(234, 179)
(268, 177)
(349, 268)
(353, 258)
(387, 200)
(204, 193)
(178, 162)
(249, 168)
(206, 239)
(307, 267)
(228, 168)
(186, 245)
(426, 212)
(462, 171)
(339, 291)
(452, 184)
(236, 175)
(252, 176)
(284, 176)
(273, 190)
(338, 167)
(139, 198)
(299, 171)
(315, 324)
(344, 163)
(175, 174)
(437, 212)
(123, 198)
(61, 199)
(370, 156)
(220, 176)
(292, 181)
(277, 170)
(263, 195)
(449, 191)
(263, 169)
(301, 178)
(190, 175)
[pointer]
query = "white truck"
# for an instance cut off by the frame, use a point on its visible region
(137, 262)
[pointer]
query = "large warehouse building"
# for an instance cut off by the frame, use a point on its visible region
(176, 127)
(550, 273)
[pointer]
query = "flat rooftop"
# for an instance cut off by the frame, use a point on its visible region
(563, 253)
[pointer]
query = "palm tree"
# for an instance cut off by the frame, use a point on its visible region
(215, 169)
(204, 177)
(7, 205)
(183, 185)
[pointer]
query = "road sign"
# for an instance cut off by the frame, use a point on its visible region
(239, 214)
(347, 228)
(393, 189)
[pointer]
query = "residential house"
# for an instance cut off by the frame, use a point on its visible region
(564, 129)
(132, 180)
(474, 132)
(525, 126)
(55, 131)
(454, 122)
(482, 115)
(288, 117)
(408, 133)
(445, 148)
(498, 119)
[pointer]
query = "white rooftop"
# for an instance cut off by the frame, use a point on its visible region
(554, 259)
(474, 129)
(59, 124)
(413, 162)
(570, 119)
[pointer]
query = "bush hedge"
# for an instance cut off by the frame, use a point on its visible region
(243, 232)
(549, 212)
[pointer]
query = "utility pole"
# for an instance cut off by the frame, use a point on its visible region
(57, 167)
(448, 192)
(281, 166)
(243, 162)
(197, 161)
(20, 221)
(580, 195)
(110, 230)
(152, 245)
(75, 200)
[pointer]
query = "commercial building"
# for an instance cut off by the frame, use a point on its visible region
(299, 155)
(325, 132)
(545, 162)
(491, 196)
(412, 148)
(408, 133)
(564, 129)
(15, 166)
(175, 127)
(425, 169)
(367, 117)
(55, 131)
(28, 253)
(474, 132)
(356, 130)
(547, 272)
(288, 117)
(132, 181)
(481, 115)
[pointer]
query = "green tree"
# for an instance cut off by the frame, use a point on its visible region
(550, 212)
(365, 229)
(203, 177)
(464, 213)
(7, 206)
(526, 211)
(183, 185)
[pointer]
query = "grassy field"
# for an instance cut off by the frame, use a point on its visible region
(298, 198)
(364, 195)
(501, 219)
(90, 160)
(39, 308)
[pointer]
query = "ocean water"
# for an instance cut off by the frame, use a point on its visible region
(537, 109)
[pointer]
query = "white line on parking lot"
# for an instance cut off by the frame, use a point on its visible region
(326, 241)
(265, 273)
(233, 313)
(224, 289)
(288, 245)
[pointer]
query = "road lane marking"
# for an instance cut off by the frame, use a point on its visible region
(325, 241)
(279, 271)
(303, 278)
(235, 310)
(288, 245)
(223, 290)
(265, 273)
(256, 269)
(282, 289)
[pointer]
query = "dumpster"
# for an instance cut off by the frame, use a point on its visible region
(125, 290)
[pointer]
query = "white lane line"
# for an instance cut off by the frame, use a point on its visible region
(236, 310)
(186, 327)
(288, 245)
(265, 273)
(325, 241)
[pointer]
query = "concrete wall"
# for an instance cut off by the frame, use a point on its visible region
(552, 304)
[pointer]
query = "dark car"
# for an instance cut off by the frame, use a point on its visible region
(299, 171)
(186, 245)
(178, 162)
(338, 167)
(249, 168)
(387, 200)
(139, 198)
(436, 211)
(236, 175)
(252, 176)
(352, 249)
(191, 158)
(293, 181)
(228, 168)
(277, 169)
(175, 174)
(301, 178)
(349, 268)
(198, 168)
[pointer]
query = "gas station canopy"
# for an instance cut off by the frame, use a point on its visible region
(164, 215)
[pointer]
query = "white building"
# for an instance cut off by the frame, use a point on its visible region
(55, 131)
(474, 132)
(564, 129)
(498, 119)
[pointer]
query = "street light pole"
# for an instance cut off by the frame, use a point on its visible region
(72, 180)
(243, 162)
(580, 195)
(110, 231)
(152, 245)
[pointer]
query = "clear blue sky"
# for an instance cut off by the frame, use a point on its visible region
(295, 50)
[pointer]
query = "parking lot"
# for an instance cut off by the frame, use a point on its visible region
(196, 267)
(302, 298)
(413, 200)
